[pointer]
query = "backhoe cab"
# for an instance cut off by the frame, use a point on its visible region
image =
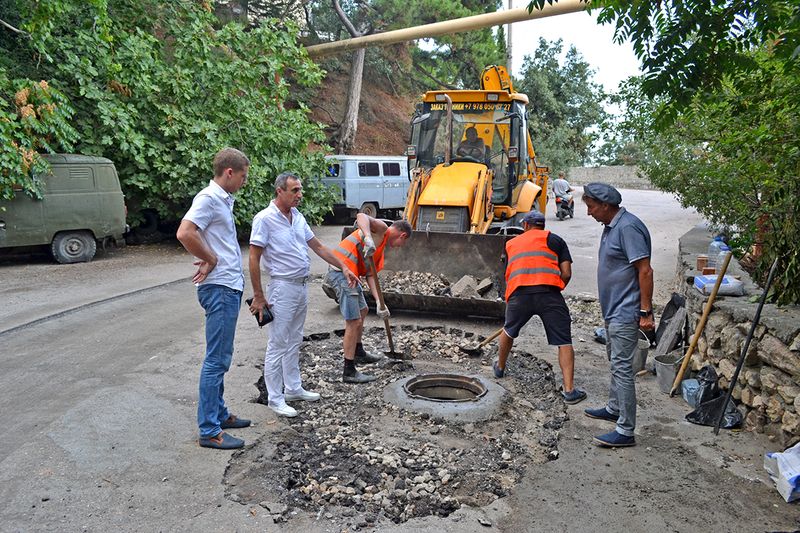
(473, 167)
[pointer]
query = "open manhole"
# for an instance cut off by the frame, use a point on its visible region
(448, 388)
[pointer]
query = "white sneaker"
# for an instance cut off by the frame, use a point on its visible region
(284, 410)
(306, 396)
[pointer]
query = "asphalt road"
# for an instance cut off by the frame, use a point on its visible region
(98, 377)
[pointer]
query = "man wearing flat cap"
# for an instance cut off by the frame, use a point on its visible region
(539, 267)
(625, 286)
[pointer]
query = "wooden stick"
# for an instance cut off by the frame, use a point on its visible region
(382, 303)
(700, 326)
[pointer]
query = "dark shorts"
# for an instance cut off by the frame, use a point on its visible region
(549, 306)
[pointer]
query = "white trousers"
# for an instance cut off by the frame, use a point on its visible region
(289, 303)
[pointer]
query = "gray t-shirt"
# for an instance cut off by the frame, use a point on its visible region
(560, 187)
(625, 240)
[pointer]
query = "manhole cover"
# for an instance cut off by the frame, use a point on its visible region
(445, 388)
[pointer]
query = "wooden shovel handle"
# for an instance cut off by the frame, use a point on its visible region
(490, 338)
(700, 326)
(381, 302)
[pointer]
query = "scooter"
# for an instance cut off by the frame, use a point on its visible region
(565, 207)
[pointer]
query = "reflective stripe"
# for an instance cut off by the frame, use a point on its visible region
(351, 251)
(521, 271)
(534, 254)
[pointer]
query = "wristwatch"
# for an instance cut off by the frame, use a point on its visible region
(645, 312)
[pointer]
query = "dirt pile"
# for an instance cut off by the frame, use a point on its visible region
(356, 458)
(429, 284)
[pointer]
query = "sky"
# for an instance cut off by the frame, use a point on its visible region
(612, 62)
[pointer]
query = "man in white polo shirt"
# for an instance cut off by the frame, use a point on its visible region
(208, 232)
(279, 243)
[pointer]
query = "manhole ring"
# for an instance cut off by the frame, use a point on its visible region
(445, 388)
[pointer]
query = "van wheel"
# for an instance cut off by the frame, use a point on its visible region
(73, 247)
(369, 209)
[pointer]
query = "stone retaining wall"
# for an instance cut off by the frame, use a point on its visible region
(622, 176)
(768, 388)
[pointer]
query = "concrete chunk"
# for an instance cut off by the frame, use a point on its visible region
(465, 287)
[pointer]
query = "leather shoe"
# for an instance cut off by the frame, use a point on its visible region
(367, 358)
(284, 410)
(221, 441)
(234, 422)
(614, 440)
(358, 377)
(306, 396)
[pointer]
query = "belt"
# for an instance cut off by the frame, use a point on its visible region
(299, 281)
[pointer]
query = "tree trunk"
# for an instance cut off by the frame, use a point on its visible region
(346, 136)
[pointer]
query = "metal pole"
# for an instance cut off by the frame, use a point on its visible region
(746, 346)
(474, 22)
(509, 45)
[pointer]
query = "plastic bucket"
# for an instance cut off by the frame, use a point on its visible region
(667, 367)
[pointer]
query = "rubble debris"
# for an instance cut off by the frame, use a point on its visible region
(358, 456)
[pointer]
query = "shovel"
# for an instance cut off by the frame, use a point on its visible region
(391, 354)
(475, 350)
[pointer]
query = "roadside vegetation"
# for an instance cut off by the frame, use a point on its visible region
(716, 118)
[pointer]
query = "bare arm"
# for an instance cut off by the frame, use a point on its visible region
(328, 256)
(369, 225)
(191, 239)
(645, 272)
(254, 265)
(566, 271)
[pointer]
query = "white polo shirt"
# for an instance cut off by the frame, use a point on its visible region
(212, 213)
(285, 244)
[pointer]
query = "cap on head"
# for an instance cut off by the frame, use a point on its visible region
(534, 218)
(602, 192)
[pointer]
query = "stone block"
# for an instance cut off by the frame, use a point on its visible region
(744, 328)
(726, 369)
(732, 342)
(715, 355)
(760, 400)
(737, 392)
(702, 347)
(723, 382)
(789, 392)
(716, 322)
(747, 396)
(751, 359)
(483, 287)
(465, 287)
(795, 346)
(755, 421)
(775, 408)
(791, 423)
(753, 377)
(774, 352)
(772, 378)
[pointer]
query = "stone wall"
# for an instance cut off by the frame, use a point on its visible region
(622, 176)
(768, 388)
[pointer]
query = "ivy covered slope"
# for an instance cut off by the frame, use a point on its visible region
(158, 87)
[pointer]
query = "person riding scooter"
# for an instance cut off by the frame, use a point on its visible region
(565, 205)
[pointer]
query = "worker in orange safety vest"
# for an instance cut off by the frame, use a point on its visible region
(539, 267)
(355, 251)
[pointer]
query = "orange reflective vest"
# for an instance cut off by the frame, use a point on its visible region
(351, 252)
(531, 262)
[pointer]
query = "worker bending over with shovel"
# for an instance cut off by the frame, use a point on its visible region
(355, 252)
(539, 267)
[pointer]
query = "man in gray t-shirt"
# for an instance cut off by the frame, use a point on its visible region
(625, 286)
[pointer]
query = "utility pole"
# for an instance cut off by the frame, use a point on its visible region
(509, 55)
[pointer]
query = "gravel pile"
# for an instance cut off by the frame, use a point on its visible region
(355, 459)
(411, 282)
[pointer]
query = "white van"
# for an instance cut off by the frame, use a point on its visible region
(371, 184)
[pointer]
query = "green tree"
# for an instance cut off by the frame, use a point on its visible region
(159, 87)
(566, 105)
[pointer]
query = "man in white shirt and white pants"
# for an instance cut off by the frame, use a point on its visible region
(279, 244)
(208, 232)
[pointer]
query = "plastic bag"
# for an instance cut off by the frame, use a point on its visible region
(709, 385)
(707, 413)
(784, 469)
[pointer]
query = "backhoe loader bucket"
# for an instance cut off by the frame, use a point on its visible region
(452, 255)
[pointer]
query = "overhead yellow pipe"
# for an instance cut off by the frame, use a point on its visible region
(475, 22)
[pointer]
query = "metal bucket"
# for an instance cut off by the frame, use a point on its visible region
(667, 366)
(642, 348)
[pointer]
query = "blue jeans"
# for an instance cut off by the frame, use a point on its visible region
(222, 310)
(622, 340)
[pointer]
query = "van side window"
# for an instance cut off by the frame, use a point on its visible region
(391, 169)
(70, 178)
(369, 169)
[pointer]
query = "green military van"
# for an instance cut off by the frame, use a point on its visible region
(82, 205)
